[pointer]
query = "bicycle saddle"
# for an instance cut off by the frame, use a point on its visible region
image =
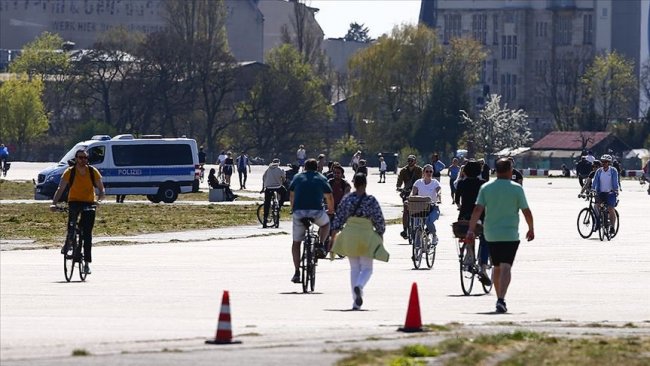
(307, 221)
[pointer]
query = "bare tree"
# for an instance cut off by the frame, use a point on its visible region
(305, 35)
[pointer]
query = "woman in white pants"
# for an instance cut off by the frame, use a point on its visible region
(361, 225)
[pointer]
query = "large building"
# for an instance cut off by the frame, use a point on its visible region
(532, 42)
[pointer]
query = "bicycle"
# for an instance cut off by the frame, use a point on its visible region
(587, 217)
(308, 260)
(274, 211)
(604, 231)
(74, 251)
(422, 241)
(469, 266)
(5, 167)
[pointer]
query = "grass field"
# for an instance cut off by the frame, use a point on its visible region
(34, 220)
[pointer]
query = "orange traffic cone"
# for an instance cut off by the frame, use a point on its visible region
(224, 330)
(413, 319)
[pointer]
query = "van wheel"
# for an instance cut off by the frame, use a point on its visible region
(168, 193)
(153, 198)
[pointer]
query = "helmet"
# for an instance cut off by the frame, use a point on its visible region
(606, 157)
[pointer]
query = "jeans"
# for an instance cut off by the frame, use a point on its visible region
(242, 174)
(434, 214)
(85, 224)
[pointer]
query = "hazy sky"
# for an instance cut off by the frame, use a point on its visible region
(379, 16)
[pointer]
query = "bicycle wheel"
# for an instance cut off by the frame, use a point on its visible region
(488, 270)
(306, 258)
(586, 222)
(430, 249)
(68, 264)
(417, 248)
(260, 213)
(466, 272)
(82, 262)
(603, 229)
(616, 225)
(312, 272)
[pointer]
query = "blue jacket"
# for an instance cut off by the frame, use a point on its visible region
(595, 184)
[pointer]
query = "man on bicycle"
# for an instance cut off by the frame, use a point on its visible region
(307, 191)
(410, 173)
(4, 156)
(82, 180)
(272, 182)
(606, 185)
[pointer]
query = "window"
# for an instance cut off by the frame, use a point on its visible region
(452, 27)
(588, 29)
(152, 154)
(495, 29)
(541, 29)
(503, 47)
(495, 70)
(483, 72)
(564, 31)
(604, 13)
(509, 47)
(96, 154)
(514, 47)
(509, 87)
(479, 28)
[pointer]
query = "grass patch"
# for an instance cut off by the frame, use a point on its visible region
(437, 327)
(80, 352)
(16, 190)
(36, 222)
(513, 349)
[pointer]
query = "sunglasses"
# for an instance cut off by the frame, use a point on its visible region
(428, 171)
(81, 157)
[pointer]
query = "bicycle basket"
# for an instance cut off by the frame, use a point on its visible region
(419, 206)
(460, 228)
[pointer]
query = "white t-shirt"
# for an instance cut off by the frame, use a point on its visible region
(606, 180)
(430, 190)
(590, 158)
(301, 154)
(222, 158)
(382, 166)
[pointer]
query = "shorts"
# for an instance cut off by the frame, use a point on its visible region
(320, 218)
(609, 197)
(503, 251)
(301, 162)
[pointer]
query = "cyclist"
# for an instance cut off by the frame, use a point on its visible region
(606, 185)
(340, 187)
(429, 187)
(4, 156)
(272, 181)
(84, 179)
(307, 191)
(466, 194)
(583, 168)
(587, 181)
(407, 176)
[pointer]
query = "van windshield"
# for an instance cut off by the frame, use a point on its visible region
(70, 154)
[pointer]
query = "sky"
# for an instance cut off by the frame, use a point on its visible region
(380, 16)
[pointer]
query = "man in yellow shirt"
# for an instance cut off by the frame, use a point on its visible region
(80, 196)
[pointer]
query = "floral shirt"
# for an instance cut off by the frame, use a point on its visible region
(369, 208)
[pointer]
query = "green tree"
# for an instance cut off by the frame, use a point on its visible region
(344, 147)
(455, 73)
(497, 127)
(286, 105)
(42, 57)
(22, 114)
(358, 33)
(610, 84)
(390, 85)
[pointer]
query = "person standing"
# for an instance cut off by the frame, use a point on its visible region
(273, 181)
(227, 168)
(355, 160)
(82, 180)
(362, 238)
(382, 170)
(452, 172)
(485, 170)
(517, 177)
(321, 163)
(362, 168)
(438, 166)
(221, 158)
(301, 156)
(501, 200)
(243, 162)
(4, 157)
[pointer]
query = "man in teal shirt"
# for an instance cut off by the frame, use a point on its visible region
(501, 199)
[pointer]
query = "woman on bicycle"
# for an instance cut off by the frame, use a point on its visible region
(429, 187)
(466, 194)
(361, 225)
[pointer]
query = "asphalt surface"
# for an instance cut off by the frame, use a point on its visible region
(156, 302)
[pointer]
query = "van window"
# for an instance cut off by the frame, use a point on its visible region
(96, 155)
(152, 154)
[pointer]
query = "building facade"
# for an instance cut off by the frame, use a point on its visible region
(535, 46)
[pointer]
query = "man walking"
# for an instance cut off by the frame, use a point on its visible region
(501, 199)
(242, 163)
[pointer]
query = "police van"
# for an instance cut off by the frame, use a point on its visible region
(160, 168)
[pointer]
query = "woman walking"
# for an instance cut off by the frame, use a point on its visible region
(358, 231)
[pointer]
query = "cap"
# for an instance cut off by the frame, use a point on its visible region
(275, 161)
(411, 157)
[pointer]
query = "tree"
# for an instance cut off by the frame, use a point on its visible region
(305, 35)
(358, 33)
(497, 127)
(390, 85)
(610, 84)
(286, 105)
(454, 75)
(22, 113)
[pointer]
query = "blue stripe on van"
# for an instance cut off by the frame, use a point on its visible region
(138, 172)
(143, 184)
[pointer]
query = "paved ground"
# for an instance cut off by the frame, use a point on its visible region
(143, 301)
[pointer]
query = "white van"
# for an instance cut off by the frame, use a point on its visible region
(159, 168)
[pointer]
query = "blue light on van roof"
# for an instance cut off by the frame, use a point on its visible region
(100, 137)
